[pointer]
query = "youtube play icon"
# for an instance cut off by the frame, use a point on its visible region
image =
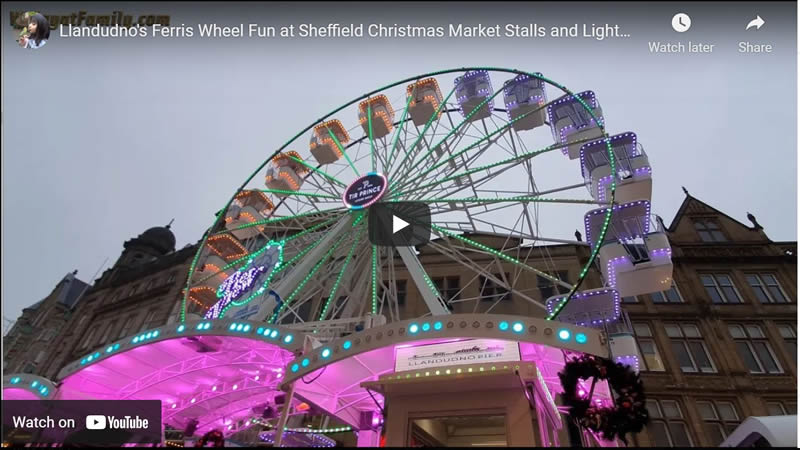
(399, 224)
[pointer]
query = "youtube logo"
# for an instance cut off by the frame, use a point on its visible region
(399, 224)
(95, 422)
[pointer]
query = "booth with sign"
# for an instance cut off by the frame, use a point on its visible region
(459, 380)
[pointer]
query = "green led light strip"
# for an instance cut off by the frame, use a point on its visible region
(371, 141)
(427, 125)
(335, 287)
(291, 238)
(606, 219)
(534, 199)
(319, 171)
(279, 219)
(302, 284)
(302, 194)
(390, 156)
(341, 150)
(494, 252)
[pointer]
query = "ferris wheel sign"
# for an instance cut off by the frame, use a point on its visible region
(241, 283)
(365, 191)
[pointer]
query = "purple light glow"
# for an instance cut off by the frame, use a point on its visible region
(599, 146)
(628, 360)
(645, 220)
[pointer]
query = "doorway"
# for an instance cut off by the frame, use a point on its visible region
(458, 431)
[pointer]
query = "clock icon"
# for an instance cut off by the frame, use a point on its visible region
(681, 22)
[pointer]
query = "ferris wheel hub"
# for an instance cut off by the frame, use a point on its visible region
(365, 191)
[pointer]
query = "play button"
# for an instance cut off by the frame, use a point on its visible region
(399, 224)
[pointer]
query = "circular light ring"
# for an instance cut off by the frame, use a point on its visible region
(503, 326)
(305, 362)
(347, 345)
(581, 338)
(413, 328)
(518, 327)
(564, 334)
(326, 353)
(437, 326)
(426, 326)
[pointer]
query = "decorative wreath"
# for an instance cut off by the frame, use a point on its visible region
(214, 436)
(629, 413)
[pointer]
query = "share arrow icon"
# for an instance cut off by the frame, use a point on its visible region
(758, 22)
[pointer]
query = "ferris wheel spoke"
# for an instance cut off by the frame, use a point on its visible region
(489, 137)
(476, 200)
(301, 284)
(501, 255)
(274, 220)
(456, 127)
(319, 171)
(482, 271)
(296, 193)
(342, 150)
(506, 161)
(421, 135)
(335, 288)
(397, 131)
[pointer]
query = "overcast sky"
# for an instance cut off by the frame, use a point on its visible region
(103, 138)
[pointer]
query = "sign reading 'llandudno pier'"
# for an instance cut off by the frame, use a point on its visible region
(469, 351)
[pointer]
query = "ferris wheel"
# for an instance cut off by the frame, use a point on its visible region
(507, 163)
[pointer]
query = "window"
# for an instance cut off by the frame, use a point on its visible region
(671, 295)
(449, 287)
(114, 297)
(667, 427)
(776, 408)
(171, 278)
(689, 348)
(402, 291)
(709, 230)
(147, 321)
(789, 336)
(766, 288)
(107, 333)
(133, 290)
(126, 326)
(754, 349)
(88, 337)
(631, 299)
(651, 359)
(720, 288)
(720, 417)
(492, 291)
(549, 288)
(151, 284)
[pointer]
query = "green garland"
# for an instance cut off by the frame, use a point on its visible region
(629, 413)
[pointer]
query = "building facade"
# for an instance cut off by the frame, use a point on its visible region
(141, 290)
(717, 347)
(26, 346)
(721, 344)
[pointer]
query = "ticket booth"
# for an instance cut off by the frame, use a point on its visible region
(462, 380)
